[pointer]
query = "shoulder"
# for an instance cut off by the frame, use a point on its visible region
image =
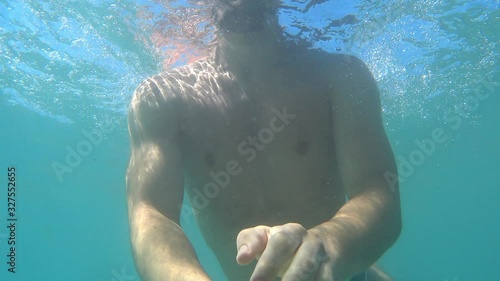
(171, 88)
(348, 67)
(355, 70)
(349, 77)
(160, 100)
(341, 70)
(169, 85)
(151, 99)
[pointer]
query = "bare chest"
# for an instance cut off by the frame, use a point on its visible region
(269, 159)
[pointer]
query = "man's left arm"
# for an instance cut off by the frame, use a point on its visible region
(370, 222)
(367, 225)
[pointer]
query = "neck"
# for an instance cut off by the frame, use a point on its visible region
(251, 54)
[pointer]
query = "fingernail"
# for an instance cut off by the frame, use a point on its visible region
(243, 249)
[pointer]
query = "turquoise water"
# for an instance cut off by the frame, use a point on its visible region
(68, 67)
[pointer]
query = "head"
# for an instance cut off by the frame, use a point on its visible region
(244, 16)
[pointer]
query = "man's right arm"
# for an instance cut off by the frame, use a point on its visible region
(155, 190)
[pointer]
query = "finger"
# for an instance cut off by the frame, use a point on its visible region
(307, 262)
(325, 273)
(281, 247)
(251, 242)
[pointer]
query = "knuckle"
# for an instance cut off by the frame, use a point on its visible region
(295, 227)
(295, 230)
(311, 265)
(283, 238)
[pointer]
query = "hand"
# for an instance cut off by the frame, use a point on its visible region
(288, 251)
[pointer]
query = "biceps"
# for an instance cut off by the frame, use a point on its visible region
(155, 178)
(363, 149)
(369, 153)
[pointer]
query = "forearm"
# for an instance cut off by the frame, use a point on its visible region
(161, 250)
(362, 230)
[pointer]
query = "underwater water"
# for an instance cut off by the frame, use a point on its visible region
(68, 69)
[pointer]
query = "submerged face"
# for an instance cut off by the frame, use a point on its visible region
(243, 16)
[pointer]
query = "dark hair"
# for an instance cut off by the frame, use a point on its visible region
(243, 15)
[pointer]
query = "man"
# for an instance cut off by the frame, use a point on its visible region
(267, 139)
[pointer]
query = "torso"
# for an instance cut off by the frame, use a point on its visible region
(291, 175)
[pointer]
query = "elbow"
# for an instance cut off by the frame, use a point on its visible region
(396, 232)
(394, 225)
(393, 217)
(389, 233)
(390, 219)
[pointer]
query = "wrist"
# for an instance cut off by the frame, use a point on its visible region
(332, 248)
